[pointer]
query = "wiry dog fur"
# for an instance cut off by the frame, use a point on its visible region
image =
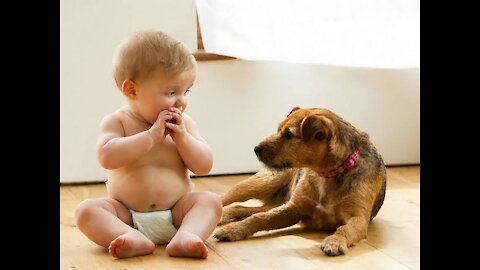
(308, 142)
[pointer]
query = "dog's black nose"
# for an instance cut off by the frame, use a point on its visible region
(257, 150)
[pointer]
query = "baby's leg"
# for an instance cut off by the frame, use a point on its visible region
(195, 216)
(109, 224)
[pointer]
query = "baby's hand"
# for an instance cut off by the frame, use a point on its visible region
(176, 125)
(158, 128)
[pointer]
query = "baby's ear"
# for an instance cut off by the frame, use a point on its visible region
(316, 127)
(129, 90)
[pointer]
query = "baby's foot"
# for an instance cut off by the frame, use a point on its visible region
(186, 244)
(132, 243)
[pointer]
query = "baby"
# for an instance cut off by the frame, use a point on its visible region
(148, 146)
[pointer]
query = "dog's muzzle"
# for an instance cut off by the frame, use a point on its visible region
(267, 158)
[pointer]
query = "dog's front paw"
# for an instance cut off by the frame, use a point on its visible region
(334, 245)
(230, 233)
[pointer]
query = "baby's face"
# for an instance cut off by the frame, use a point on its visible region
(163, 90)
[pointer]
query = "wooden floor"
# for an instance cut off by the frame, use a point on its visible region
(393, 237)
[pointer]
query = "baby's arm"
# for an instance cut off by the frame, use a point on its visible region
(193, 149)
(114, 150)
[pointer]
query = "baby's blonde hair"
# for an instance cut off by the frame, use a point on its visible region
(145, 51)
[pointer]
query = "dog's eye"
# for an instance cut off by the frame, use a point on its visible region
(288, 135)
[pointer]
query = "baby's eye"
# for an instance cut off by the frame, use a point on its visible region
(186, 91)
(171, 93)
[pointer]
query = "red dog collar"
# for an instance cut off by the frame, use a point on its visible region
(347, 165)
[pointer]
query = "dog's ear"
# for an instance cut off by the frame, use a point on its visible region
(294, 109)
(316, 127)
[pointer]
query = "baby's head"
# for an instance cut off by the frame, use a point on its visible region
(145, 51)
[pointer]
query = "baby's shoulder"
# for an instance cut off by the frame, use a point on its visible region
(191, 125)
(188, 120)
(115, 117)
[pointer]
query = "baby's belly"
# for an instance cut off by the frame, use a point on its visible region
(148, 188)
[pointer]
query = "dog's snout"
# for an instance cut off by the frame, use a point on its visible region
(258, 150)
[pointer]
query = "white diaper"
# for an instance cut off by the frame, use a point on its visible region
(156, 226)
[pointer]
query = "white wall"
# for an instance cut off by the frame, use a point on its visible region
(235, 103)
(238, 103)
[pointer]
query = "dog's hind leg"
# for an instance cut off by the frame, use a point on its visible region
(237, 212)
(280, 217)
(264, 185)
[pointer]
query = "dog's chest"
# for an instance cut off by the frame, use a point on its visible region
(323, 215)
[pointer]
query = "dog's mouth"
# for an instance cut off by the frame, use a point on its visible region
(280, 166)
(268, 158)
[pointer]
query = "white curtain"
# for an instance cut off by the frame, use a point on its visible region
(357, 33)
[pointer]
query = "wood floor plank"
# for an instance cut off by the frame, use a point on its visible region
(393, 237)
(404, 177)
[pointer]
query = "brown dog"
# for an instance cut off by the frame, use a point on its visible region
(322, 171)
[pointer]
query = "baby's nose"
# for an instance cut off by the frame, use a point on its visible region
(180, 103)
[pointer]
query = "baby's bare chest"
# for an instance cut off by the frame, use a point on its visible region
(164, 153)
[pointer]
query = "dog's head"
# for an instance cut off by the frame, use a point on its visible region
(305, 138)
